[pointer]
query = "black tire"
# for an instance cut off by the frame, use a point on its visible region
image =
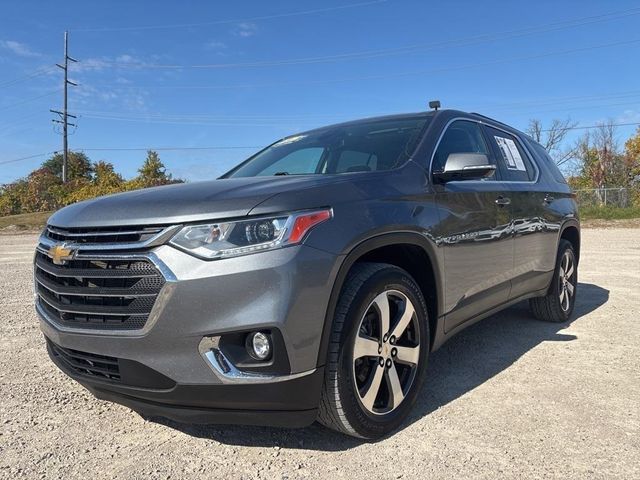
(341, 404)
(553, 307)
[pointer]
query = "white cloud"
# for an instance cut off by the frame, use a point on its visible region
(98, 64)
(90, 65)
(215, 45)
(246, 29)
(18, 48)
(629, 116)
(126, 58)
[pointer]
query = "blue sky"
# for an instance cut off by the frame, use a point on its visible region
(244, 73)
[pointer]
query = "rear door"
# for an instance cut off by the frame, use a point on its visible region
(474, 231)
(534, 242)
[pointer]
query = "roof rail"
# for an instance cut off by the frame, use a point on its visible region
(492, 119)
(501, 123)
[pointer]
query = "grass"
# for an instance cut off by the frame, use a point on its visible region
(609, 213)
(25, 221)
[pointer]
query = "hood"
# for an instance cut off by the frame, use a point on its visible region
(187, 202)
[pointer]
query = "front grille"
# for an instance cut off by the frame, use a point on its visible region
(100, 367)
(108, 293)
(104, 235)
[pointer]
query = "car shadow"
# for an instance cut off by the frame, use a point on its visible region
(466, 361)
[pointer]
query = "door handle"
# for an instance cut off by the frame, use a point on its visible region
(548, 199)
(502, 201)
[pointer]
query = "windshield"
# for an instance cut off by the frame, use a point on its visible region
(359, 147)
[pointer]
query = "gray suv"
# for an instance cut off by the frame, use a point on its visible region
(313, 280)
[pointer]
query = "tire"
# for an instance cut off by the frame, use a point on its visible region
(356, 364)
(557, 306)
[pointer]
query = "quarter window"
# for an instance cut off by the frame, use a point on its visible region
(512, 159)
(461, 137)
(551, 164)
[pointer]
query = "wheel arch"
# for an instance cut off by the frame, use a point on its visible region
(570, 231)
(399, 249)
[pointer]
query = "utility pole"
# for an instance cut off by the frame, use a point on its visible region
(64, 114)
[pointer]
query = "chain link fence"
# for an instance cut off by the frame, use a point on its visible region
(598, 197)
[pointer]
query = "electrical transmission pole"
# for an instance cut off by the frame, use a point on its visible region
(64, 114)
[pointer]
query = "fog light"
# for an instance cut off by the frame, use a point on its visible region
(259, 345)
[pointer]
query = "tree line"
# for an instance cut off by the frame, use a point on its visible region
(596, 160)
(42, 190)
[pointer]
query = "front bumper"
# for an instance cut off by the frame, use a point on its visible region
(289, 403)
(286, 289)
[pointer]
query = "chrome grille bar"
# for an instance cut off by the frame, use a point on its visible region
(100, 287)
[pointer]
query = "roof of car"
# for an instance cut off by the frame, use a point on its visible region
(400, 116)
(397, 116)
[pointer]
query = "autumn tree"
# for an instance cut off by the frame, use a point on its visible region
(153, 172)
(43, 191)
(632, 165)
(601, 159)
(11, 196)
(78, 166)
(104, 181)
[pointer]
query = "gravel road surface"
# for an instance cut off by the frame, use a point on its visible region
(510, 397)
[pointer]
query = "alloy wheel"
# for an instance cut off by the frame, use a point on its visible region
(566, 278)
(386, 352)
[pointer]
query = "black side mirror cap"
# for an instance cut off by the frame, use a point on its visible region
(465, 166)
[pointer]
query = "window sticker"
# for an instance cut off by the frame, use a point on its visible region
(510, 153)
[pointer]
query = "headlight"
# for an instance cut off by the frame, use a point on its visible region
(230, 239)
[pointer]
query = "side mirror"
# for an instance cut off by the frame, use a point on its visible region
(465, 166)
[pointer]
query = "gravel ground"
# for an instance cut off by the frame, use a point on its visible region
(509, 397)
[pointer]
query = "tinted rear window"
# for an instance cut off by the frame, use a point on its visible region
(545, 158)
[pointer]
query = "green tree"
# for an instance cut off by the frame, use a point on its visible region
(104, 174)
(43, 192)
(11, 196)
(78, 165)
(153, 172)
(105, 181)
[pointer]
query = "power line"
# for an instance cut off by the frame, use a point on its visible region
(403, 74)
(20, 120)
(4, 162)
(225, 22)
(233, 147)
(466, 41)
(197, 117)
(564, 100)
(22, 102)
(170, 121)
(597, 126)
(161, 149)
(27, 76)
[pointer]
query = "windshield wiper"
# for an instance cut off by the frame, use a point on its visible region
(280, 173)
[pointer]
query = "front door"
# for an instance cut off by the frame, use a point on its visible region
(474, 231)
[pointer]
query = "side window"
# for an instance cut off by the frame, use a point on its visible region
(300, 161)
(460, 137)
(352, 161)
(550, 163)
(512, 159)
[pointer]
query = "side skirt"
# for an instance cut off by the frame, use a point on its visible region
(441, 337)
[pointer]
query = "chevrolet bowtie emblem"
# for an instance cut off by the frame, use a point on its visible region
(60, 254)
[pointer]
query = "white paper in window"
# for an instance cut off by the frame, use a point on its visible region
(510, 153)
